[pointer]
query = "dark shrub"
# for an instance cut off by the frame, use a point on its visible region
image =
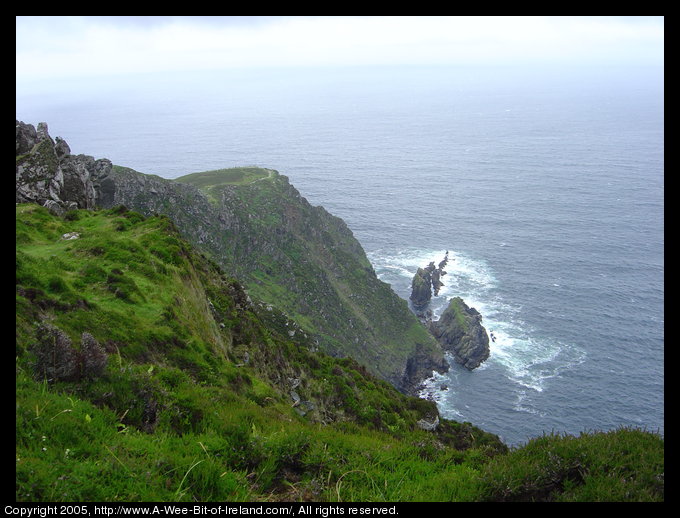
(56, 359)
(93, 356)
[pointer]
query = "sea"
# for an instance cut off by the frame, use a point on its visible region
(545, 185)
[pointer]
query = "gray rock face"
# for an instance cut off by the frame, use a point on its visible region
(47, 173)
(61, 148)
(27, 137)
(460, 331)
(79, 179)
(38, 175)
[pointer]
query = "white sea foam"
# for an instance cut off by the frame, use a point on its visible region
(440, 388)
(523, 405)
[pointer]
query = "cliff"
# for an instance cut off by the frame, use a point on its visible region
(258, 228)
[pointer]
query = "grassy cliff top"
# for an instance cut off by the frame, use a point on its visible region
(207, 181)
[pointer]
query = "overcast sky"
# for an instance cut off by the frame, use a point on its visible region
(54, 47)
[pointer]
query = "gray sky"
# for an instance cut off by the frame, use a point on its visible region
(56, 47)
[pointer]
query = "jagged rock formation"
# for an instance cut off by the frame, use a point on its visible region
(425, 283)
(287, 252)
(437, 273)
(47, 173)
(459, 330)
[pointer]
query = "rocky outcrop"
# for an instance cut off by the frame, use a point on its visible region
(459, 330)
(38, 176)
(48, 174)
(421, 291)
(419, 367)
(429, 426)
(425, 283)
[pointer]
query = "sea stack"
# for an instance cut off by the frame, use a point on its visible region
(425, 282)
(459, 330)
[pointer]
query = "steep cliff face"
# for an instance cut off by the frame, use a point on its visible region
(258, 228)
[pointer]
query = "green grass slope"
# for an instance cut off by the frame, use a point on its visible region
(205, 394)
(145, 373)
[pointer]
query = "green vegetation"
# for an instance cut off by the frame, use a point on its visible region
(456, 307)
(145, 373)
(232, 176)
(619, 466)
